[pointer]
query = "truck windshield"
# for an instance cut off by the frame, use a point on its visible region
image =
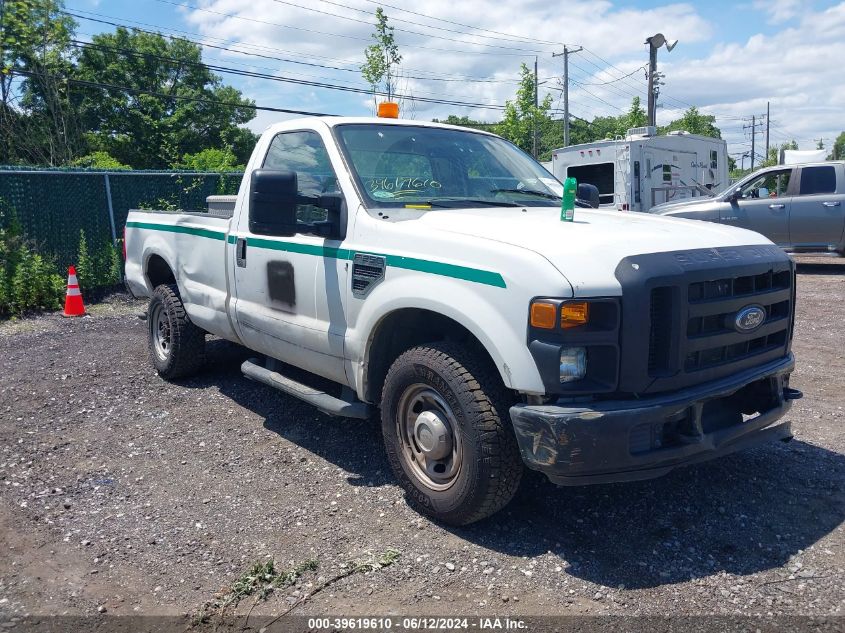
(417, 167)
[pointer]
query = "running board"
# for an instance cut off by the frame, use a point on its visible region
(320, 399)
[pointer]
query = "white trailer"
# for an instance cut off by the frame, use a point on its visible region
(642, 170)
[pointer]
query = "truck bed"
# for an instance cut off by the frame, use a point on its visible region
(193, 246)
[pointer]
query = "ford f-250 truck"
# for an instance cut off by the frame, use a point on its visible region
(423, 270)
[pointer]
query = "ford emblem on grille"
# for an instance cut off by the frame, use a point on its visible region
(749, 318)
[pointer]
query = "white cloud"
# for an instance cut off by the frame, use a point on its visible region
(781, 10)
(793, 68)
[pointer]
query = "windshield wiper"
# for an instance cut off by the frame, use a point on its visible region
(444, 202)
(530, 192)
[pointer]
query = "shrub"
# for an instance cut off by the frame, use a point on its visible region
(35, 283)
(28, 281)
(102, 268)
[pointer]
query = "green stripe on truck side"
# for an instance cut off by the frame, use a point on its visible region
(172, 228)
(455, 271)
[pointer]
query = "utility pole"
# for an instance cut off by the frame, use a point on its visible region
(566, 52)
(768, 111)
(753, 136)
(536, 104)
(754, 125)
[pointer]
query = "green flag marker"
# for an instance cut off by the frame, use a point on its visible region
(567, 203)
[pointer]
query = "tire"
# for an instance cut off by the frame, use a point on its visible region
(177, 346)
(476, 471)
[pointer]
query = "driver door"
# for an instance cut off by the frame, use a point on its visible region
(763, 205)
(291, 290)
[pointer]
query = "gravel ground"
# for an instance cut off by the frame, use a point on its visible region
(121, 492)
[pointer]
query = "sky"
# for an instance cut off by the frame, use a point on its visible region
(732, 60)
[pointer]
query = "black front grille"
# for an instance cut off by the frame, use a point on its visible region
(713, 340)
(680, 310)
(710, 338)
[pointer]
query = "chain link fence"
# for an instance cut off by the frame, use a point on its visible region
(52, 206)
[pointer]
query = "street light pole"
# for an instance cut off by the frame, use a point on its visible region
(654, 42)
(652, 69)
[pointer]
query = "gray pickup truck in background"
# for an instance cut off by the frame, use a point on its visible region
(798, 207)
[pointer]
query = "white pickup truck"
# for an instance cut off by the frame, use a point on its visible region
(423, 270)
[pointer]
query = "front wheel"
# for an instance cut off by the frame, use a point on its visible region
(177, 346)
(447, 433)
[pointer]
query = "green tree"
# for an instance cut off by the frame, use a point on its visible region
(522, 117)
(636, 116)
(465, 121)
(99, 160)
(838, 151)
(774, 153)
(150, 131)
(381, 58)
(610, 127)
(37, 121)
(695, 123)
(210, 159)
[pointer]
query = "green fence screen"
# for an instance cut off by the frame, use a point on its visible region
(53, 205)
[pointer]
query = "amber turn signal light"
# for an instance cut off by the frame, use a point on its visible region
(574, 313)
(543, 315)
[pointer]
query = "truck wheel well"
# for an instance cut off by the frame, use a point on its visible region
(158, 272)
(406, 328)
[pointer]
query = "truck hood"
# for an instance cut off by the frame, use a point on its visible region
(692, 204)
(587, 251)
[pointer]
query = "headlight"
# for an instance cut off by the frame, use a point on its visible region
(573, 363)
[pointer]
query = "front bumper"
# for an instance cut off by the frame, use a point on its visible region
(610, 441)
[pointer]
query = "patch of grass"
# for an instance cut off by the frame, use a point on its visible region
(260, 580)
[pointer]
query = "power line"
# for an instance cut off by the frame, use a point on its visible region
(98, 84)
(612, 81)
(356, 70)
(349, 37)
(401, 30)
(395, 19)
(467, 26)
(314, 84)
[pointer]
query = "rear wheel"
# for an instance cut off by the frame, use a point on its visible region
(177, 346)
(447, 433)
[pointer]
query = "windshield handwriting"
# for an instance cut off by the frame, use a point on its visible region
(404, 184)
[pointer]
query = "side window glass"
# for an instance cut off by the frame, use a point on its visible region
(772, 184)
(815, 180)
(304, 153)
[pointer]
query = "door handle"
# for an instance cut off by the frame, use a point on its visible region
(777, 206)
(830, 205)
(240, 252)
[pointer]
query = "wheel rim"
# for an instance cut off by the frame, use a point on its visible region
(160, 332)
(430, 437)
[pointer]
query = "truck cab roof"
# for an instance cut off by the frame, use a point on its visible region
(332, 121)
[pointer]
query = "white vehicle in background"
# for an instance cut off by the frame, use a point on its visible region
(424, 270)
(642, 170)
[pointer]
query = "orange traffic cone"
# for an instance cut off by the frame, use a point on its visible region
(73, 299)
